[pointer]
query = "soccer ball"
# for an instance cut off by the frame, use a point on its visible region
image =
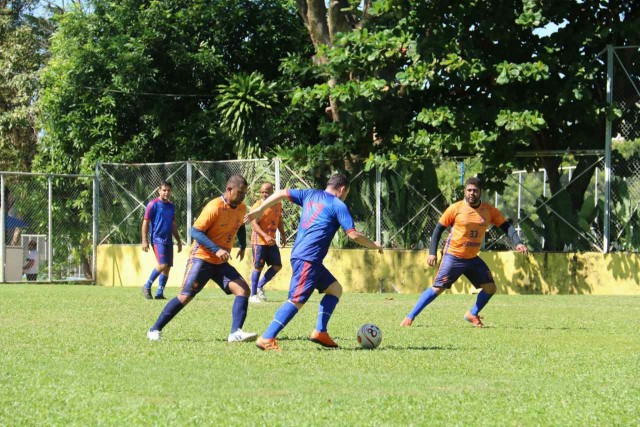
(369, 336)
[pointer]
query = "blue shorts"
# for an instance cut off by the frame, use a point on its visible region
(164, 253)
(266, 254)
(199, 272)
(451, 268)
(306, 277)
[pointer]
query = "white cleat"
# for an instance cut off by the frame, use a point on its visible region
(242, 336)
(261, 295)
(255, 299)
(154, 335)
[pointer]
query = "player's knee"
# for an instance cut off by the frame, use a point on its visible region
(240, 289)
(161, 267)
(489, 288)
(277, 268)
(185, 299)
(334, 289)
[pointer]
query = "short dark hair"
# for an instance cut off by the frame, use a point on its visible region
(338, 180)
(475, 181)
(236, 181)
(164, 183)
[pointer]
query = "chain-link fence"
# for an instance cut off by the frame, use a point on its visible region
(47, 219)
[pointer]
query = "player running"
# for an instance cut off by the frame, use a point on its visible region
(469, 220)
(323, 212)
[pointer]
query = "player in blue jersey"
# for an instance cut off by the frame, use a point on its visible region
(323, 212)
(158, 225)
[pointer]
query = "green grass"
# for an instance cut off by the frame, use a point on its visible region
(78, 355)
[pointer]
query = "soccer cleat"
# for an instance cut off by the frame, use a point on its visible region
(262, 295)
(474, 320)
(268, 344)
(242, 336)
(146, 292)
(406, 322)
(154, 335)
(255, 299)
(160, 297)
(323, 339)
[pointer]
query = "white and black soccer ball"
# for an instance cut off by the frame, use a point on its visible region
(369, 336)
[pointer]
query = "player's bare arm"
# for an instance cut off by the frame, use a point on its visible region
(283, 234)
(256, 227)
(363, 240)
(174, 230)
(513, 236)
(145, 233)
(269, 201)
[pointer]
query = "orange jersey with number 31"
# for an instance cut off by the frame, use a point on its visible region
(468, 227)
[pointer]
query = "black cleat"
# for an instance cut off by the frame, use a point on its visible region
(160, 297)
(147, 293)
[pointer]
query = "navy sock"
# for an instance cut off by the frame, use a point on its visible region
(325, 310)
(285, 313)
(170, 310)
(425, 299)
(162, 282)
(152, 277)
(255, 276)
(481, 301)
(239, 312)
(267, 276)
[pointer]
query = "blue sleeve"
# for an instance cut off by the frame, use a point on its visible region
(201, 237)
(242, 237)
(344, 217)
(297, 196)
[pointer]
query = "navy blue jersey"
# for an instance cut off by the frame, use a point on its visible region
(160, 216)
(322, 215)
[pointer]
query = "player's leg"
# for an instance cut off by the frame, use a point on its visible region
(231, 282)
(480, 276)
(332, 290)
(300, 289)
(146, 288)
(258, 265)
(450, 270)
(166, 260)
(273, 259)
(197, 274)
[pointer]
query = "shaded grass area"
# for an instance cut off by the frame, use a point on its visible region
(79, 355)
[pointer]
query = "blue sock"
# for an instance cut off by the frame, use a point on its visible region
(267, 276)
(162, 282)
(325, 310)
(152, 277)
(481, 301)
(238, 312)
(425, 299)
(283, 316)
(170, 310)
(255, 276)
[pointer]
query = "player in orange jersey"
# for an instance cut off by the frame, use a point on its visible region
(213, 233)
(469, 220)
(264, 245)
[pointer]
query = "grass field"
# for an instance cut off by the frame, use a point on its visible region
(79, 355)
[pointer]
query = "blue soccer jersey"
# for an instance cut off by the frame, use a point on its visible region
(322, 215)
(160, 216)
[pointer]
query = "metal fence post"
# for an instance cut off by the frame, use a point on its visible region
(277, 172)
(3, 210)
(96, 216)
(378, 205)
(50, 226)
(189, 200)
(607, 154)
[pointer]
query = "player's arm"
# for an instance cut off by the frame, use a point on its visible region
(433, 244)
(363, 240)
(256, 227)
(242, 241)
(145, 234)
(201, 237)
(174, 231)
(511, 232)
(256, 213)
(283, 234)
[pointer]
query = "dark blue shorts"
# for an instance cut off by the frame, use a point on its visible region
(266, 254)
(306, 277)
(199, 272)
(451, 268)
(164, 253)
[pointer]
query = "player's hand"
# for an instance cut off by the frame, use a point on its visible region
(145, 246)
(223, 255)
(269, 240)
(179, 246)
(431, 260)
(240, 254)
(254, 214)
(522, 249)
(283, 239)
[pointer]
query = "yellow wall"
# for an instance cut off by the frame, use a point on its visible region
(407, 271)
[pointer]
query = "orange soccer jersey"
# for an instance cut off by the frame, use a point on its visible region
(220, 222)
(269, 222)
(468, 227)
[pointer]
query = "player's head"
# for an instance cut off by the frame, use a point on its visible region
(32, 245)
(164, 190)
(473, 191)
(338, 185)
(266, 190)
(236, 189)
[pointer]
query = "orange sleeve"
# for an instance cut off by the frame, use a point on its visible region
(449, 215)
(207, 217)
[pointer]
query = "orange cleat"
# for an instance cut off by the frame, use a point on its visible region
(267, 344)
(406, 322)
(474, 320)
(323, 339)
